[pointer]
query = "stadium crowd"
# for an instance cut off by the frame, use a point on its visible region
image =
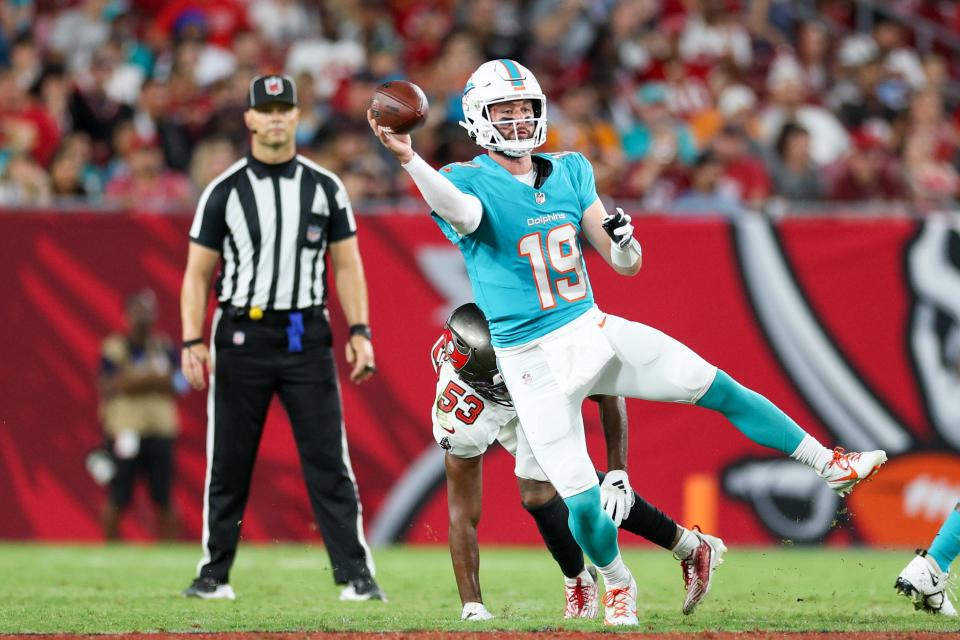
(687, 106)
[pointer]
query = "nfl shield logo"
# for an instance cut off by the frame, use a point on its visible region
(540, 197)
(313, 233)
(239, 337)
(273, 86)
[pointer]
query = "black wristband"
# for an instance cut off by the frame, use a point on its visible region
(192, 343)
(361, 330)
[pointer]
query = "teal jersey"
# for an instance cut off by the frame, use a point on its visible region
(524, 260)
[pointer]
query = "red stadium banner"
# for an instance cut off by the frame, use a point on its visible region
(850, 326)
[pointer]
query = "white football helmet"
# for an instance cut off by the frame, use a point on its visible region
(502, 81)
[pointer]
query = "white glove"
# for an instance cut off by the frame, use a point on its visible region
(475, 611)
(618, 227)
(616, 495)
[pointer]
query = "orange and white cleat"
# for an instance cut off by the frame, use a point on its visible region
(698, 568)
(583, 598)
(847, 469)
(620, 606)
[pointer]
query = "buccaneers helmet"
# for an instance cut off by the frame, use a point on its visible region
(467, 346)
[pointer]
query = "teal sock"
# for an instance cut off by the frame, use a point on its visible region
(751, 413)
(593, 529)
(946, 545)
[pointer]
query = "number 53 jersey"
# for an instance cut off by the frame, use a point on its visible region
(524, 259)
(464, 423)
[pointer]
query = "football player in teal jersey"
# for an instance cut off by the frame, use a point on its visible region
(517, 218)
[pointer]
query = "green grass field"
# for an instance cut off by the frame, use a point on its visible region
(110, 589)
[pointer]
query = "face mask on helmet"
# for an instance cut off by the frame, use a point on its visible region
(467, 346)
(496, 82)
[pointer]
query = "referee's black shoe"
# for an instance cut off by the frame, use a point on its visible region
(362, 589)
(209, 589)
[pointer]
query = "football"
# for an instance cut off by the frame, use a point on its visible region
(400, 105)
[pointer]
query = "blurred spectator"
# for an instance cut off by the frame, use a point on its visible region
(148, 186)
(25, 62)
(23, 182)
(564, 31)
(813, 48)
(900, 60)
(497, 25)
(153, 120)
(577, 124)
(714, 34)
(313, 112)
(281, 22)
(744, 177)
(655, 132)
(25, 124)
(78, 32)
(460, 55)
(211, 158)
(868, 172)
(92, 110)
(865, 90)
(66, 176)
(736, 107)
(794, 175)
(139, 381)
(932, 181)
(705, 197)
(216, 20)
(789, 100)
(330, 58)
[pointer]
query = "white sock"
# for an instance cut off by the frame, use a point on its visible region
(686, 545)
(584, 576)
(813, 454)
(615, 575)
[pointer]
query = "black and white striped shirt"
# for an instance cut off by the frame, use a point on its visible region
(272, 224)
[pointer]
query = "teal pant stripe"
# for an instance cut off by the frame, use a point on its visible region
(592, 528)
(946, 546)
(751, 413)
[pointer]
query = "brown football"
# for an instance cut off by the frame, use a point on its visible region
(399, 105)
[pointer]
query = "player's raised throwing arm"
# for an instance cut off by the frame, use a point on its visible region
(462, 210)
(464, 499)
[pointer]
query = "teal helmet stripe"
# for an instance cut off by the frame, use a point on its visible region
(515, 76)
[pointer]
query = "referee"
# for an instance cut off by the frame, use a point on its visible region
(271, 218)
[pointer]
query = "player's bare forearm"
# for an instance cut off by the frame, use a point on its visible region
(613, 417)
(464, 495)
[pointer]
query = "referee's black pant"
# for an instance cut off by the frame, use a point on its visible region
(252, 362)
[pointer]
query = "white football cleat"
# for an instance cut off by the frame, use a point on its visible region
(698, 568)
(847, 469)
(583, 598)
(620, 606)
(926, 585)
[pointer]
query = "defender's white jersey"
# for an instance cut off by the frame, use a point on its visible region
(464, 423)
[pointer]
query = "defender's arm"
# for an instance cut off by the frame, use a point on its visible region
(464, 494)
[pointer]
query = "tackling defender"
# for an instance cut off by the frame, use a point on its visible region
(472, 410)
(516, 218)
(924, 579)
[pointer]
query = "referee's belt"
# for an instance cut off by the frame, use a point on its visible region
(270, 316)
